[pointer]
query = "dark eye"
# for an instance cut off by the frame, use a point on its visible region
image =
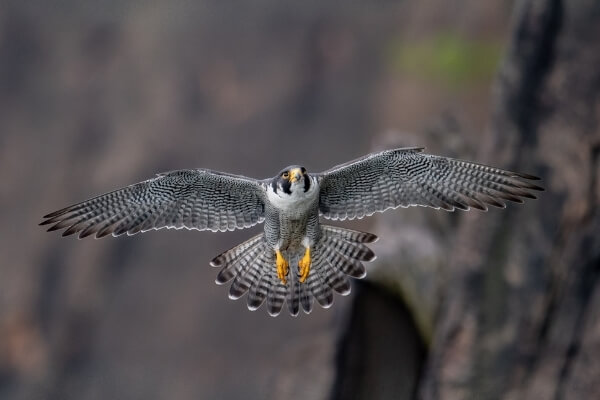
(285, 175)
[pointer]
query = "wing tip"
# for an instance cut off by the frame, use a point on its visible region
(56, 213)
(527, 176)
(480, 207)
(53, 228)
(69, 232)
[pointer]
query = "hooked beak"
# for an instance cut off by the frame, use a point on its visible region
(295, 175)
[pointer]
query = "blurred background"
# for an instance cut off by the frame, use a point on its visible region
(98, 95)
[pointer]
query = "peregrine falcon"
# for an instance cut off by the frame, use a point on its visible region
(297, 258)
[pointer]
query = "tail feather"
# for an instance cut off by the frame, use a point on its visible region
(349, 234)
(233, 254)
(258, 293)
(243, 281)
(306, 299)
(293, 296)
(340, 261)
(260, 288)
(276, 296)
(250, 273)
(336, 255)
(349, 266)
(337, 280)
(319, 289)
(239, 264)
(332, 277)
(357, 251)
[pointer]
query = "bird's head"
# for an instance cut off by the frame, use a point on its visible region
(291, 179)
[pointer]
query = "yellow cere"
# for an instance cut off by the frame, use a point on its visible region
(296, 173)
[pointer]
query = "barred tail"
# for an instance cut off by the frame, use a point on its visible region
(247, 264)
(338, 254)
(251, 266)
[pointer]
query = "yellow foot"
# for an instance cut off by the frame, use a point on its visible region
(282, 267)
(304, 265)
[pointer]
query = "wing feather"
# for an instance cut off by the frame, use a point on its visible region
(408, 177)
(193, 199)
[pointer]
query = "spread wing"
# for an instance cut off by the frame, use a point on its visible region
(194, 199)
(407, 177)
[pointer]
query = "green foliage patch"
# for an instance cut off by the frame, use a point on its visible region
(447, 58)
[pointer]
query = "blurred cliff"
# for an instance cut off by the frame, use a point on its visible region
(509, 300)
(94, 96)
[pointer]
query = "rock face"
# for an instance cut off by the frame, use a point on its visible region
(525, 291)
(518, 289)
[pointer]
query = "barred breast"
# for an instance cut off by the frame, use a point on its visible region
(291, 217)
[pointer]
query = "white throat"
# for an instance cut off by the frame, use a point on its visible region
(298, 202)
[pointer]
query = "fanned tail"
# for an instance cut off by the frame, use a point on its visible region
(251, 266)
(235, 260)
(339, 253)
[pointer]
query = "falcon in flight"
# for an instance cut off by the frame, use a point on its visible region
(297, 258)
